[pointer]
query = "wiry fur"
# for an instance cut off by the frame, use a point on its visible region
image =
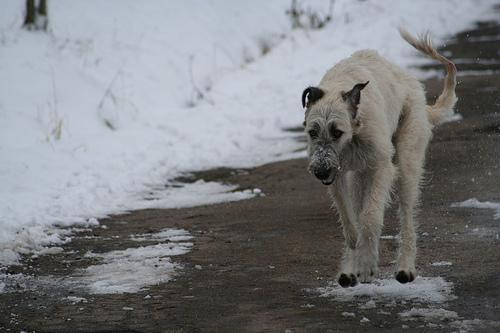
(362, 141)
(443, 107)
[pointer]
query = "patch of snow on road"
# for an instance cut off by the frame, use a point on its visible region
(41, 239)
(132, 269)
(368, 305)
(475, 325)
(37, 240)
(453, 117)
(474, 203)
(168, 234)
(430, 314)
(307, 306)
(50, 250)
(441, 263)
(189, 195)
(450, 318)
(390, 237)
(423, 289)
(76, 299)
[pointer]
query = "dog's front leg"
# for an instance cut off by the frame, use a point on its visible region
(377, 183)
(343, 202)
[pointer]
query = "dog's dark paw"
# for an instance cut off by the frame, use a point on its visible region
(405, 277)
(354, 281)
(346, 280)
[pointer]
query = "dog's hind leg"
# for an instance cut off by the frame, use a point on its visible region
(411, 143)
(341, 193)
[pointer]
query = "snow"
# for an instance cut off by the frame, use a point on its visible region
(307, 306)
(441, 263)
(133, 269)
(368, 305)
(348, 314)
(76, 299)
(194, 194)
(120, 97)
(130, 270)
(163, 235)
(37, 239)
(423, 289)
(453, 117)
(50, 250)
(430, 313)
(389, 237)
(476, 325)
(474, 203)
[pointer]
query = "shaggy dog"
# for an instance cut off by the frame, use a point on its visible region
(368, 126)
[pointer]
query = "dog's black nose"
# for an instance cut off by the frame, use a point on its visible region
(322, 174)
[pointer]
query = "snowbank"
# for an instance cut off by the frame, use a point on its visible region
(122, 96)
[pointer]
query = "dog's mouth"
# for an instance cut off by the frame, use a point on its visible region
(327, 182)
(326, 178)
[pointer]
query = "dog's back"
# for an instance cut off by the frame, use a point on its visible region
(391, 86)
(384, 99)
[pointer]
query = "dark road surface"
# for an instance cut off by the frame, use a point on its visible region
(263, 259)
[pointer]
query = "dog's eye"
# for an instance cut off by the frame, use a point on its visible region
(313, 134)
(336, 133)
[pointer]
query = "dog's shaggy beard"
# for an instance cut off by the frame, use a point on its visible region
(324, 164)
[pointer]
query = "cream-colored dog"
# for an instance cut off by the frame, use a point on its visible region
(368, 126)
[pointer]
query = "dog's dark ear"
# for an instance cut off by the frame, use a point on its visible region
(311, 95)
(353, 97)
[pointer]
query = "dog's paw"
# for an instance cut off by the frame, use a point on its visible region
(366, 268)
(405, 276)
(347, 280)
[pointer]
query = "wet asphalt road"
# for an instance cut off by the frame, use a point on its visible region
(262, 259)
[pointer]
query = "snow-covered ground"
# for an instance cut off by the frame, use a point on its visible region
(474, 203)
(120, 97)
(425, 300)
(424, 289)
(132, 269)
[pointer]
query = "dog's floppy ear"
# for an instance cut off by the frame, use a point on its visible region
(353, 97)
(311, 95)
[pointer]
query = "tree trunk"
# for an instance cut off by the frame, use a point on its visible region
(36, 16)
(42, 8)
(42, 19)
(29, 20)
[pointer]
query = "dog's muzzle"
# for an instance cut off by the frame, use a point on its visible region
(327, 176)
(323, 165)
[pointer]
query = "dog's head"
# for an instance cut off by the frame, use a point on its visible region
(330, 124)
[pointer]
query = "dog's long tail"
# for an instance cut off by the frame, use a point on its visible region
(443, 108)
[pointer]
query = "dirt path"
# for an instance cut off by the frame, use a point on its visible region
(256, 265)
